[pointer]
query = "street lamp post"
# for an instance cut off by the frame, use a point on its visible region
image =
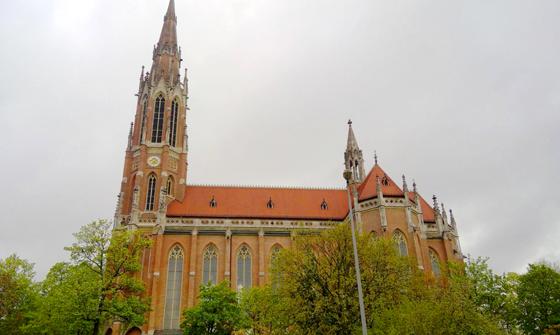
(348, 177)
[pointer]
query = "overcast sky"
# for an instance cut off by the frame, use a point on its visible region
(463, 96)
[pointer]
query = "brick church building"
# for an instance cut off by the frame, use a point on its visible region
(207, 234)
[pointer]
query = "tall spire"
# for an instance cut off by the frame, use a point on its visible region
(168, 34)
(353, 159)
(167, 56)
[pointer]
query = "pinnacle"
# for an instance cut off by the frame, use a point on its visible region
(352, 143)
(170, 9)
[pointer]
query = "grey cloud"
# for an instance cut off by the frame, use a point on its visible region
(461, 96)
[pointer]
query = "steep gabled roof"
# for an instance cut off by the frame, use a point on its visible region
(368, 188)
(251, 203)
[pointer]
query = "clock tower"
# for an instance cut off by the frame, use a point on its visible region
(155, 167)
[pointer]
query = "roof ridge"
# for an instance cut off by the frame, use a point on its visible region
(271, 187)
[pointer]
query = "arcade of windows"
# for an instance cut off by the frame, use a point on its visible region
(209, 276)
(157, 124)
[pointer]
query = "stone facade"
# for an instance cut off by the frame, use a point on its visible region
(232, 232)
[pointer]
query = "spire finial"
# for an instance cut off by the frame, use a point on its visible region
(170, 9)
(443, 210)
(452, 218)
(405, 186)
(414, 188)
(436, 206)
(375, 156)
(350, 122)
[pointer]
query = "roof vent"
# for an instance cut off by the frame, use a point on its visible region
(270, 204)
(213, 203)
(324, 205)
(385, 181)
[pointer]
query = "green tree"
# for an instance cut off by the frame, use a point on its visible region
(68, 301)
(218, 312)
(539, 299)
(266, 311)
(18, 294)
(318, 280)
(112, 259)
(319, 287)
(493, 294)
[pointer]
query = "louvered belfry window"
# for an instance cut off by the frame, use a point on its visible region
(151, 193)
(173, 123)
(157, 126)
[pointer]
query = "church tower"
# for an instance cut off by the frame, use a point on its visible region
(353, 159)
(155, 166)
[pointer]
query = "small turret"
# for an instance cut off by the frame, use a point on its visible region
(405, 186)
(353, 158)
(381, 199)
(129, 145)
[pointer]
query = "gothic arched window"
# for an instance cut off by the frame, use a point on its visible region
(400, 243)
(434, 260)
(173, 123)
(151, 193)
(157, 125)
(143, 121)
(244, 268)
(169, 186)
(276, 276)
(210, 265)
(173, 291)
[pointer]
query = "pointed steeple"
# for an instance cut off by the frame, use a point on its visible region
(167, 56)
(168, 34)
(353, 159)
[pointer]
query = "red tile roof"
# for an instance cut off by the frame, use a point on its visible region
(251, 202)
(368, 188)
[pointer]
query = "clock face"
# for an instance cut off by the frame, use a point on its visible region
(154, 161)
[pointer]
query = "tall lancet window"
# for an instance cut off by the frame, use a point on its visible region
(151, 193)
(276, 275)
(143, 121)
(157, 126)
(173, 123)
(434, 260)
(244, 268)
(210, 265)
(173, 290)
(400, 243)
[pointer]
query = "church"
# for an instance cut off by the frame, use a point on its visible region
(207, 234)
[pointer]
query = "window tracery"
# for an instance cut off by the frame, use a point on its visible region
(244, 268)
(400, 243)
(173, 290)
(434, 260)
(210, 265)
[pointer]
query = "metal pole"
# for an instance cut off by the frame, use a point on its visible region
(356, 262)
